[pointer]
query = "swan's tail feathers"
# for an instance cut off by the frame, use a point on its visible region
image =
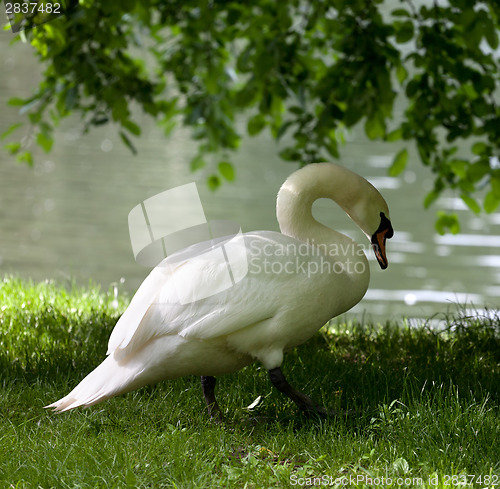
(106, 381)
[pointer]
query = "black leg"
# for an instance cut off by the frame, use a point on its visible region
(303, 402)
(208, 387)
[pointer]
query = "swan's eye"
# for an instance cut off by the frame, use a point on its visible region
(385, 225)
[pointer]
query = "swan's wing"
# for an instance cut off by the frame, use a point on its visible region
(145, 296)
(193, 298)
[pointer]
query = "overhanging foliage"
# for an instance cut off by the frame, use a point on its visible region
(307, 70)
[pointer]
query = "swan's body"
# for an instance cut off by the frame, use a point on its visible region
(296, 281)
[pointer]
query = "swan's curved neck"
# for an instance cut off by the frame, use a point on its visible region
(320, 180)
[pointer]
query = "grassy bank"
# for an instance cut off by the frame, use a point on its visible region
(426, 402)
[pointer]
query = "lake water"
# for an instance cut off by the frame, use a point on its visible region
(66, 219)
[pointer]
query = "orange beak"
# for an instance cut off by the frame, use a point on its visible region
(384, 232)
(378, 245)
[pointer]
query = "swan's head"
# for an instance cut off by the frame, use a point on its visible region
(359, 199)
(370, 212)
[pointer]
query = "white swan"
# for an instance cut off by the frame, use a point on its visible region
(296, 281)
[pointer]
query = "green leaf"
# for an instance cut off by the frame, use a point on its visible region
(11, 129)
(131, 127)
(467, 17)
(197, 163)
(471, 203)
(395, 135)
(290, 154)
(296, 110)
(479, 148)
(100, 120)
(404, 31)
(34, 117)
(16, 102)
(469, 91)
(127, 142)
(44, 141)
(491, 202)
(495, 183)
(255, 124)
(226, 169)
(25, 157)
(401, 73)
(400, 12)
(447, 222)
(13, 148)
(490, 33)
(374, 127)
(119, 111)
(430, 198)
(399, 163)
(412, 88)
(459, 168)
(352, 115)
(246, 96)
(213, 182)
(478, 170)
(481, 107)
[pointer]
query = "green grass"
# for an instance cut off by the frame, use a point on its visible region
(426, 402)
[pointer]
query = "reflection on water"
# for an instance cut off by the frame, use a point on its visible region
(480, 240)
(412, 297)
(67, 217)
